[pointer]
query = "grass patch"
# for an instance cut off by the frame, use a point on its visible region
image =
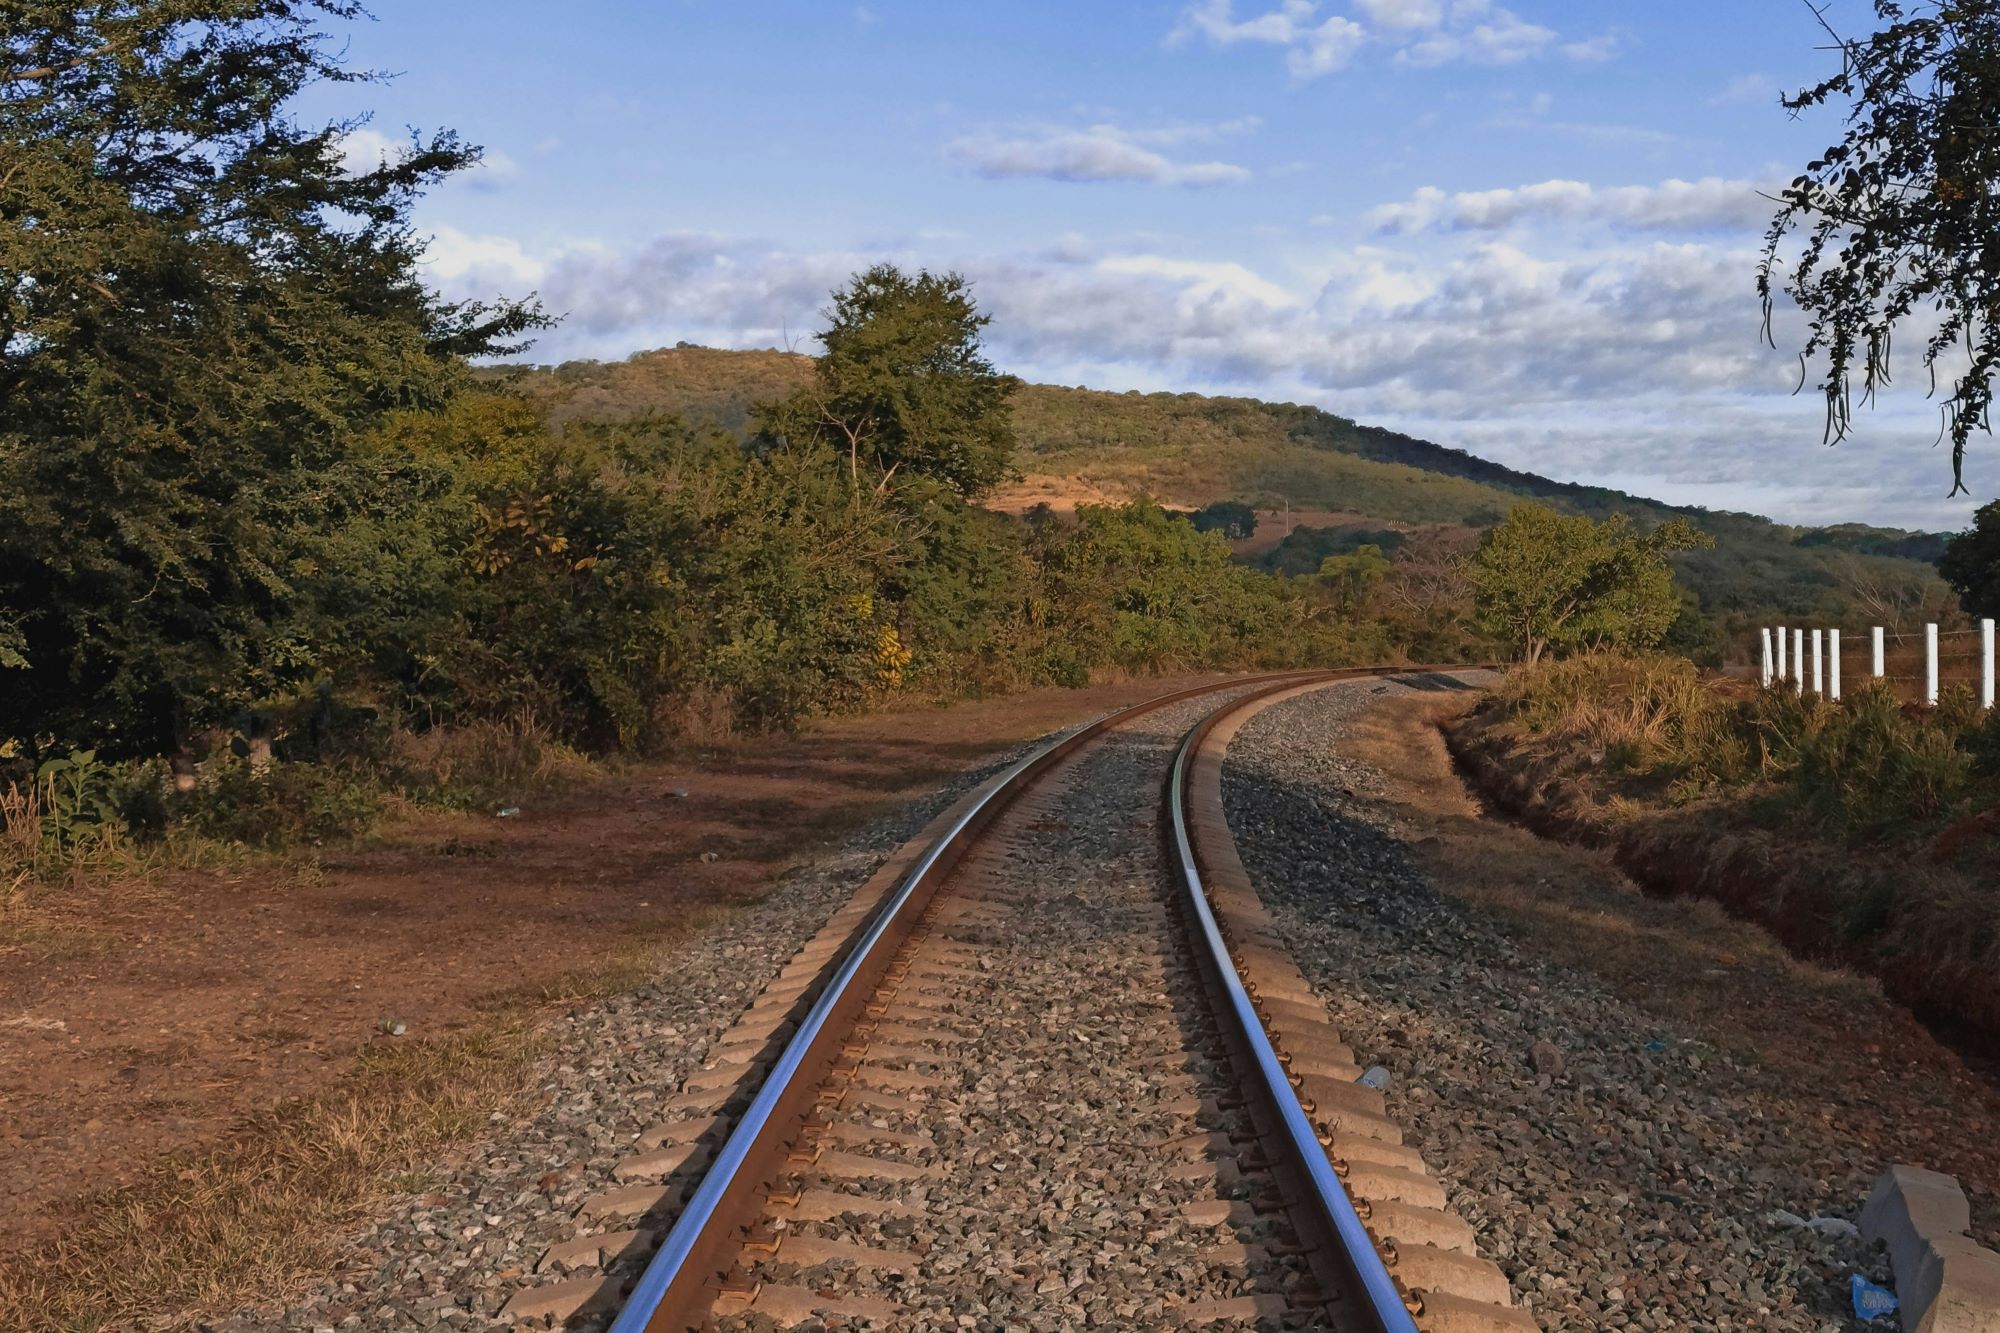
(261, 1214)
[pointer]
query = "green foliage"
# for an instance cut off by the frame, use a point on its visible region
(1353, 579)
(79, 798)
(1899, 216)
(1195, 449)
(903, 386)
(1305, 547)
(289, 805)
(1971, 563)
(1864, 768)
(1866, 765)
(1232, 518)
(200, 310)
(1134, 586)
(1546, 580)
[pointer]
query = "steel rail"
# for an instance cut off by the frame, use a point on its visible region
(678, 1286)
(1327, 1202)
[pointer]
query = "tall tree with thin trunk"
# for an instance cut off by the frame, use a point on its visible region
(203, 306)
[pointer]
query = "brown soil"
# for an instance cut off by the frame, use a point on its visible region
(1854, 1058)
(136, 1019)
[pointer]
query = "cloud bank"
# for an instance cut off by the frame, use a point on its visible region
(1672, 205)
(1633, 362)
(1098, 153)
(1422, 34)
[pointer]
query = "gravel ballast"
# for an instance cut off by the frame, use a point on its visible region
(1623, 1174)
(451, 1255)
(1071, 1065)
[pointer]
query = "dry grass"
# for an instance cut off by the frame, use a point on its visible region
(259, 1215)
(30, 857)
(477, 763)
(266, 1212)
(1858, 833)
(1684, 959)
(20, 841)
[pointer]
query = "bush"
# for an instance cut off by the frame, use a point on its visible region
(287, 805)
(1865, 767)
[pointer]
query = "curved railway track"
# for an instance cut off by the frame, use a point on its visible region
(1049, 1068)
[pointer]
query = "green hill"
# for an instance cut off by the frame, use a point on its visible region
(1189, 449)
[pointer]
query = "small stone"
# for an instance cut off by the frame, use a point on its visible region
(1545, 1057)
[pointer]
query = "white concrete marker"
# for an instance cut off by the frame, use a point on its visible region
(1986, 664)
(1799, 661)
(1781, 653)
(1819, 665)
(1833, 664)
(1879, 669)
(1764, 669)
(1930, 665)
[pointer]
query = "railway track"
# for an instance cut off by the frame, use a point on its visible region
(1049, 1068)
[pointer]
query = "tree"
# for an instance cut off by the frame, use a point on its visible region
(1899, 595)
(904, 386)
(1354, 578)
(1971, 563)
(1900, 216)
(1431, 580)
(201, 310)
(1547, 580)
(1232, 518)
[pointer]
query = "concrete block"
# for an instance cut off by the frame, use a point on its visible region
(559, 1302)
(1428, 1269)
(1450, 1314)
(1908, 1206)
(1956, 1288)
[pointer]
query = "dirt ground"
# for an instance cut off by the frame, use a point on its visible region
(139, 1019)
(1856, 1060)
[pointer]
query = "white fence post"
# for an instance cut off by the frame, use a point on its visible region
(1833, 664)
(1930, 665)
(1764, 667)
(1781, 654)
(1799, 661)
(1819, 666)
(1986, 664)
(1880, 669)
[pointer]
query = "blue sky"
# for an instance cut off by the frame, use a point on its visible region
(1526, 229)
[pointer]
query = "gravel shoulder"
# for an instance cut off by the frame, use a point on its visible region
(1622, 1095)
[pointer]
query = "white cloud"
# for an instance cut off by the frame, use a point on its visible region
(1101, 153)
(1403, 13)
(1482, 35)
(1325, 48)
(1672, 205)
(1746, 89)
(1204, 281)
(1423, 33)
(363, 150)
(486, 263)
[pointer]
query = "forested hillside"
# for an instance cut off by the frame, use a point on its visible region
(1190, 450)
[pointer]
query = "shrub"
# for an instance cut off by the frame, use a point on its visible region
(1864, 767)
(286, 805)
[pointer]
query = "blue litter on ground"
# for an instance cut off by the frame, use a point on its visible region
(1656, 1046)
(1870, 1301)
